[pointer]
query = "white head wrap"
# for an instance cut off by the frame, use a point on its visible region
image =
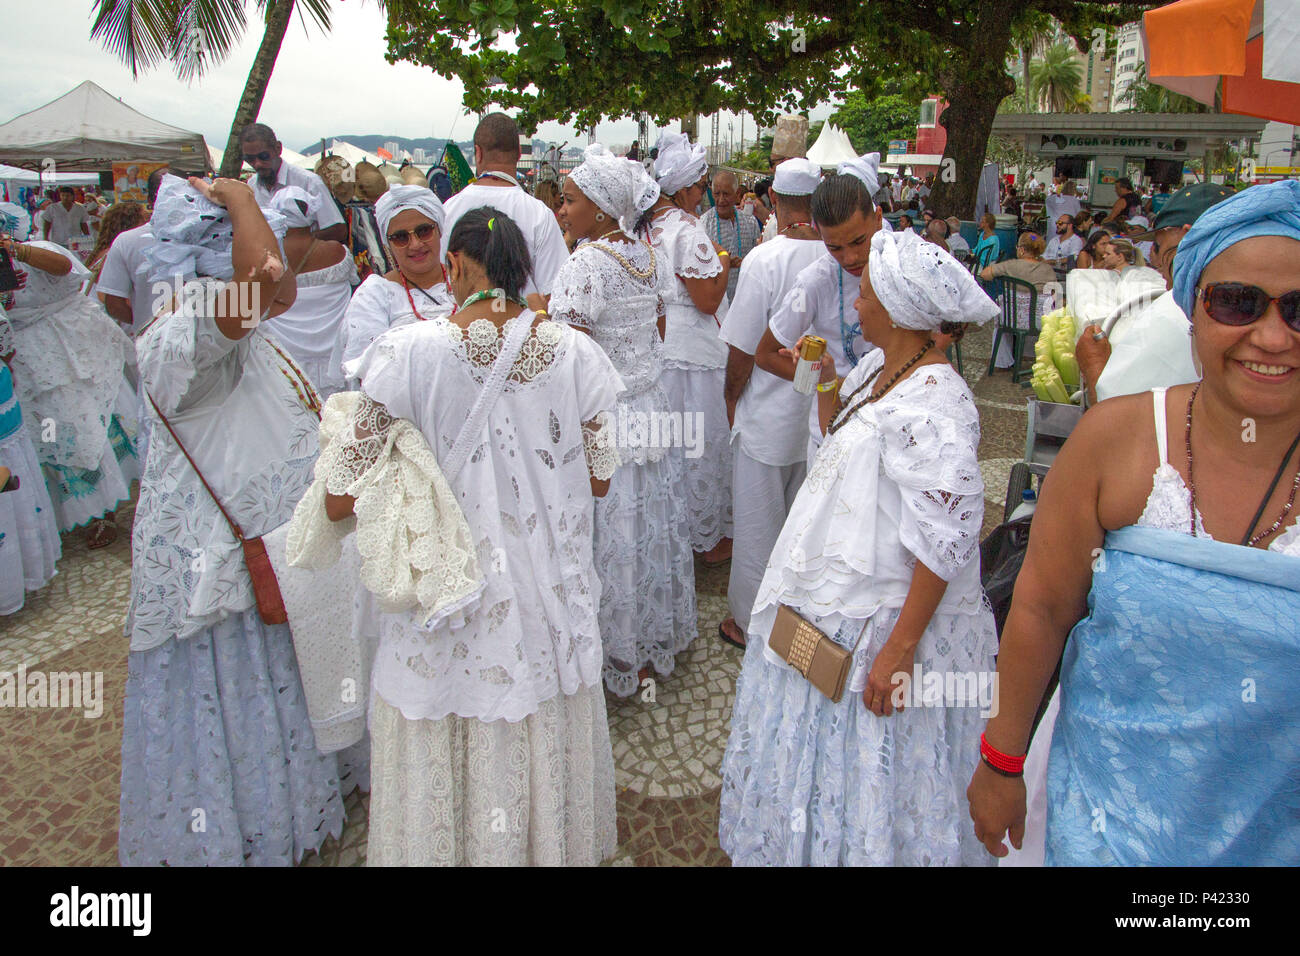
(921, 285)
(679, 164)
(193, 235)
(286, 202)
(796, 177)
(866, 168)
(620, 187)
(400, 198)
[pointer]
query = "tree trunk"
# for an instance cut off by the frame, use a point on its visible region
(976, 82)
(278, 15)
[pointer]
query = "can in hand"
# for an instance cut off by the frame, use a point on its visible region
(809, 367)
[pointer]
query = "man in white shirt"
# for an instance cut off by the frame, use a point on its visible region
(65, 220)
(734, 229)
(124, 287)
(820, 301)
(496, 158)
(262, 150)
(767, 415)
(1064, 244)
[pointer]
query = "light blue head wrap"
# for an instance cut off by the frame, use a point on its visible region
(1272, 210)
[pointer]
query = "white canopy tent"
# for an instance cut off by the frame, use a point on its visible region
(832, 147)
(87, 130)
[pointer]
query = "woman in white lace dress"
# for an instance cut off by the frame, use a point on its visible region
(219, 763)
(693, 274)
(880, 554)
(609, 289)
(410, 220)
(488, 730)
(29, 536)
(69, 370)
(325, 273)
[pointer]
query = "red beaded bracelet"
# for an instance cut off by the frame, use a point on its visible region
(1000, 761)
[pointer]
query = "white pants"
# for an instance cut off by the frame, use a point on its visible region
(762, 496)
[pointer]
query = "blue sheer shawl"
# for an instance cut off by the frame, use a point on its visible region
(1178, 741)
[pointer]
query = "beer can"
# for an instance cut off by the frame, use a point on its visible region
(809, 367)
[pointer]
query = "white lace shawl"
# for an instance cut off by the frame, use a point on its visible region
(416, 549)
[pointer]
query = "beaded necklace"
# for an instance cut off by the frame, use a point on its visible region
(504, 177)
(490, 294)
(875, 396)
(411, 299)
(302, 385)
(796, 225)
(1191, 484)
(623, 260)
(847, 332)
(735, 219)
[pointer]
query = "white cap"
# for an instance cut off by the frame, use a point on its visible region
(866, 168)
(796, 177)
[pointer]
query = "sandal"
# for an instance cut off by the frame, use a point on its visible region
(722, 633)
(101, 533)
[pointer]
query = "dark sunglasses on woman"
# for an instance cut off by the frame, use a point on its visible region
(1235, 303)
(423, 232)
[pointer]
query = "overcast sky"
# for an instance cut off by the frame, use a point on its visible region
(323, 84)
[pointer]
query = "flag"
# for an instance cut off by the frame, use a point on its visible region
(457, 168)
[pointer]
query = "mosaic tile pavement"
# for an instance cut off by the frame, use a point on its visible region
(61, 768)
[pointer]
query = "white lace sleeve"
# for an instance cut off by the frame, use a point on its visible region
(931, 435)
(693, 255)
(602, 452)
(575, 290)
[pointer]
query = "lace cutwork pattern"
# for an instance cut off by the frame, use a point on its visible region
(481, 343)
(1169, 507)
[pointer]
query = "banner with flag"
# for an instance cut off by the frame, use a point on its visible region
(457, 168)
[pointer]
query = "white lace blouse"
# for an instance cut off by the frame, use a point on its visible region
(594, 291)
(242, 408)
(379, 305)
(897, 483)
(685, 251)
(525, 493)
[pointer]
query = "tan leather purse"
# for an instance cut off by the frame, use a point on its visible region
(814, 655)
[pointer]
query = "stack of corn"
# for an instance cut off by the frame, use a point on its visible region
(1055, 374)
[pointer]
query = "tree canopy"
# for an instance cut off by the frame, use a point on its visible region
(582, 60)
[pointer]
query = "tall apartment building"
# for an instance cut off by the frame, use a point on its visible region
(1098, 74)
(1128, 55)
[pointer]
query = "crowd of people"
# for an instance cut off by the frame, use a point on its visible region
(460, 458)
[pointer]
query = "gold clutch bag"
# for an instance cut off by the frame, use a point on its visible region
(814, 655)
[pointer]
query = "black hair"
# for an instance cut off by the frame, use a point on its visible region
(838, 197)
(258, 133)
(154, 183)
(497, 134)
(67, 189)
(491, 238)
(1125, 182)
(762, 186)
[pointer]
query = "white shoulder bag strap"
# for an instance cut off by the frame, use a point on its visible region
(516, 334)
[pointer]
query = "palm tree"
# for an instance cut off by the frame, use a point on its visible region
(1030, 36)
(195, 35)
(1056, 79)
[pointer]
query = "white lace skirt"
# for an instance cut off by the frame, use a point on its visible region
(696, 395)
(29, 535)
(459, 791)
(809, 782)
(219, 765)
(81, 495)
(647, 571)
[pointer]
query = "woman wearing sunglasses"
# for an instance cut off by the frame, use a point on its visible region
(410, 220)
(1176, 742)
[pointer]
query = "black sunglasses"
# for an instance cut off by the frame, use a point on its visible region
(263, 157)
(423, 232)
(1235, 303)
